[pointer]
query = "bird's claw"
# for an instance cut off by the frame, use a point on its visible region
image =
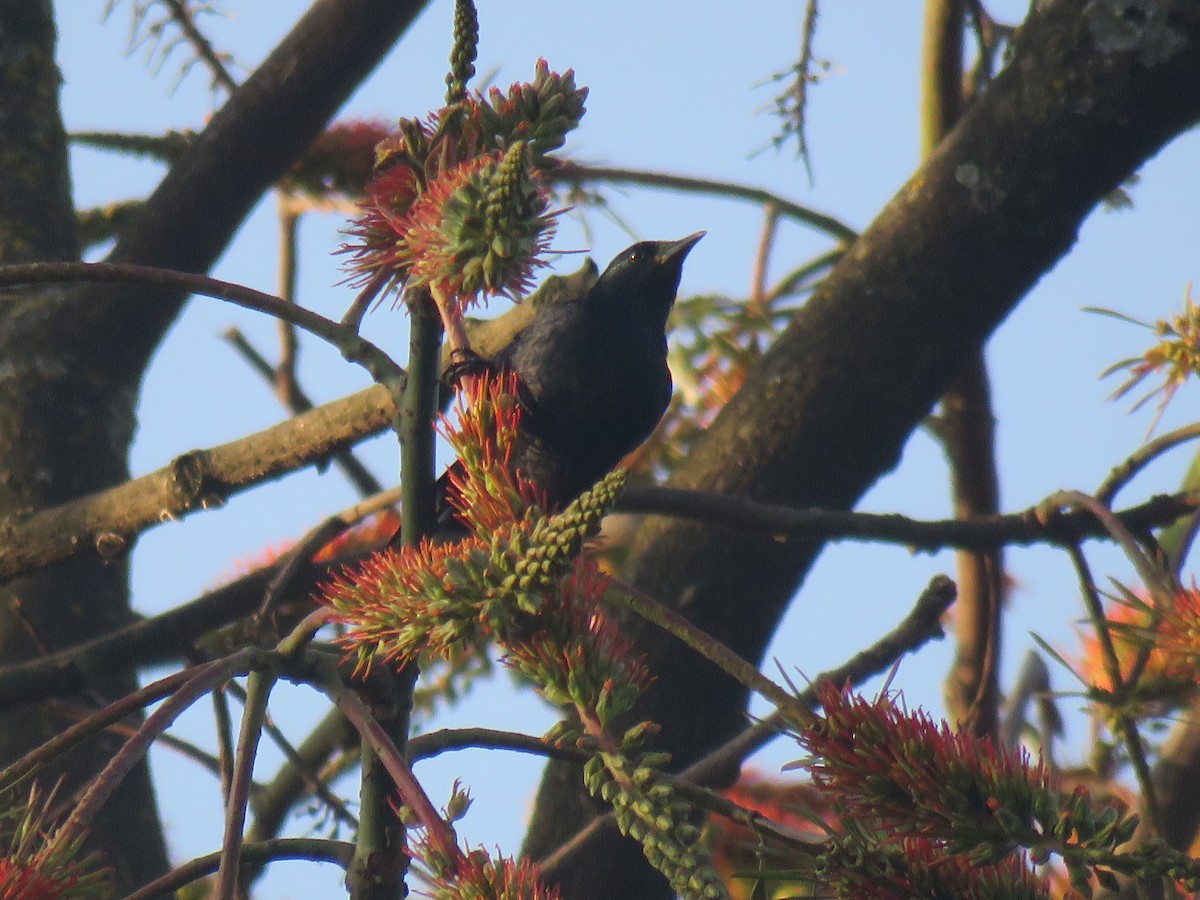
(465, 362)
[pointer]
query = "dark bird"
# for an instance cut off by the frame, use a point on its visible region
(593, 370)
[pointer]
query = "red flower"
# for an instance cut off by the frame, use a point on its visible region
(481, 229)
(486, 490)
(340, 161)
(378, 249)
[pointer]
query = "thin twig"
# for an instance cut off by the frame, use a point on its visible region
(307, 769)
(209, 762)
(225, 751)
(259, 684)
(1157, 581)
(260, 852)
(287, 384)
(804, 276)
(351, 345)
(922, 625)
(1041, 524)
(91, 725)
(707, 646)
(762, 256)
(1100, 624)
(353, 316)
(1126, 728)
(359, 475)
(204, 49)
(452, 321)
(254, 713)
(300, 555)
(808, 35)
(1123, 473)
(440, 834)
(202, 680)
(427, 746)
(576, 173)
(310, 779)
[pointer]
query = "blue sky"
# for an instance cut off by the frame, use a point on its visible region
(674, 86)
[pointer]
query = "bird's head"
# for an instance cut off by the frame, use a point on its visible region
(647, 274)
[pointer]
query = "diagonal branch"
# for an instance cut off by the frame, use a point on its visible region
(105, 523)
(578, 173)
(245, 148)
(829, 408)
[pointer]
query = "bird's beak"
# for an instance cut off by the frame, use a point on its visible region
(675, 251)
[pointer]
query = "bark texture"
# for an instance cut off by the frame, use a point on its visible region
(1092, 90)
(71, 360)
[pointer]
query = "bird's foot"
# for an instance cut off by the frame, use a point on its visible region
(465, 362)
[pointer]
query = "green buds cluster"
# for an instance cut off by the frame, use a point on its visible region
(541, 113)
(648, 810)
(474, 220)
(434, 600)
(480, 228)
(511, 206)
(462, 56)
(548, 554)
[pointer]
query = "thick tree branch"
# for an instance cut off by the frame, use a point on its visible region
(247, 145)
(1086, 98)
(108, 522)
(105, 524)
(73, 359)
(966, 425)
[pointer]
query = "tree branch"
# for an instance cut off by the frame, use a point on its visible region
(247, 145)
(578, 173)
(104, 524)
(1041, 524)
(829, 408)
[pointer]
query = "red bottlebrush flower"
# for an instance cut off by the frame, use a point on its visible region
(878, 761)
(36, 866)
(484, 488)
(340, 162)
(378, 249)
(477, 229)
(900, 775)
(440, 599)
(574, 651)
(19, 882)
(922, 868)
(1169, 677)
(1179, 634)
(477, 876)
(401, 603)
(480, 229)
(506, 878)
